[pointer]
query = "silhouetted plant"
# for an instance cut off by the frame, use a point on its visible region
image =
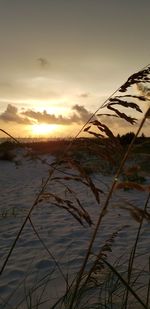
(106, 146)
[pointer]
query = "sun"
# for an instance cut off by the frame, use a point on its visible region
(43, 129)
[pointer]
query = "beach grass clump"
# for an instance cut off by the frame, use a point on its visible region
(7, 151)
(101, 281)
(7, 155)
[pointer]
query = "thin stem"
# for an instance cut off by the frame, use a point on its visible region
(47, 250)
(44, 187)
(124, 282)
(132, 255)
(148, 290)
(105, 207)
(24, 223)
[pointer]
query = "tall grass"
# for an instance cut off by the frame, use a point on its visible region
(98, 283)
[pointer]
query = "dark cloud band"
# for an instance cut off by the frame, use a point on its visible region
(79, 115)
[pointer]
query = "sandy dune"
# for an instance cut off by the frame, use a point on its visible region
(64, 236)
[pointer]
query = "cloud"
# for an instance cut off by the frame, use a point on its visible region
(11, 115)
(84, 95)
(43, 62)
(44, 117)
(83, 113)
(79, 115)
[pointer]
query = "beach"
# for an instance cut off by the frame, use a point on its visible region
(30, 266)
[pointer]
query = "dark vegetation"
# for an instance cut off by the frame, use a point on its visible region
(99, 283)
(85, 150)
(83, 144)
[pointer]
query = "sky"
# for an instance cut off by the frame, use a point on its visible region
(60, 59)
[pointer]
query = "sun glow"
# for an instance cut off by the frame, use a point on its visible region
(43, 129)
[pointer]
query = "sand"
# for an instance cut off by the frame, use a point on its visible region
(30, 265)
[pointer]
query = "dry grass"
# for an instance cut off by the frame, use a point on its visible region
(98, 280)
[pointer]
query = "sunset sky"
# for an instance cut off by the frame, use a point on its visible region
(60, 59)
